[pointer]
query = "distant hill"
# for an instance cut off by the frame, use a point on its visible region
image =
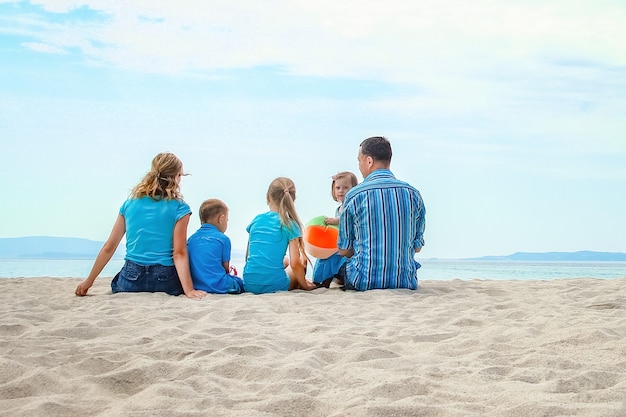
(558, 256)
(47, 247)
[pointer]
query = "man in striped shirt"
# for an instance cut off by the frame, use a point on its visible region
(381, 226)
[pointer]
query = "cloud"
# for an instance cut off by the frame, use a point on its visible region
(547, 64)
(536, 73)
(42, 47)
(398, 40)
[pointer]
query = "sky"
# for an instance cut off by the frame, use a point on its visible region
(509, 117)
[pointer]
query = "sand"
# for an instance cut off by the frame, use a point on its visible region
(452, 348)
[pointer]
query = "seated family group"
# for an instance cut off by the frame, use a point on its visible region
(380, 228)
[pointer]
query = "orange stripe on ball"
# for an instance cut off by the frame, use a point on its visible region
(321, 236)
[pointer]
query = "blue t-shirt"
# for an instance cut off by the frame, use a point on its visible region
(150, 229)
(208, 249)
(267, 245)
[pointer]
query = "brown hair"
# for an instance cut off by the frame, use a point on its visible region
(161, 180)
(343, 174)
(211, 208)
(377, 147)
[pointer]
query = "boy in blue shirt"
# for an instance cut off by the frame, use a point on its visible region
(209, 251)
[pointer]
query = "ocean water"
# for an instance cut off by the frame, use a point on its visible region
(519, 270)
(431, 269)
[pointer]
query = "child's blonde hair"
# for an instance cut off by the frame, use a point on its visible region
(343, 174)
(211, 208)
(161, 180)
(282, 191)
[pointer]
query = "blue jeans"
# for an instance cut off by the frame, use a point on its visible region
(347, 285)
(341, 274)
(147, 278)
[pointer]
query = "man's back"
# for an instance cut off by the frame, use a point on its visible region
(383, 222)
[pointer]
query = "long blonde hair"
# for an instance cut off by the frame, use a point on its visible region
(282, 191)
(161, 181)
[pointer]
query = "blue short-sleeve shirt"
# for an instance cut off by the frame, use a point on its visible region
(150, 229)
(208, 249)
(264, 270)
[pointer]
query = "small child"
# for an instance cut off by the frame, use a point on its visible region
(271, 234)
(325, 270)
(209, 251)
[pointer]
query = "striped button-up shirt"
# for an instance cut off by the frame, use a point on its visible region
(383, 222)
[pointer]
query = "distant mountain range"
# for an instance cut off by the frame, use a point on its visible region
(558, 256)
(47, 247)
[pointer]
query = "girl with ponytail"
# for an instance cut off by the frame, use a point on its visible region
(272, 235)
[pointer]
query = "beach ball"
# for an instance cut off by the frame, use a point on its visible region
(320, 240)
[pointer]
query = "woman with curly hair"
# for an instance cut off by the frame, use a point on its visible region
(154, 219)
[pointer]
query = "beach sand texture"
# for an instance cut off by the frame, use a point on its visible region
(452, 348)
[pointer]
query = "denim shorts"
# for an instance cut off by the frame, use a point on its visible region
(147, 278)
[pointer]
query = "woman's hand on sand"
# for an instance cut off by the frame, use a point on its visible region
(196, 294)
(82, 288)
